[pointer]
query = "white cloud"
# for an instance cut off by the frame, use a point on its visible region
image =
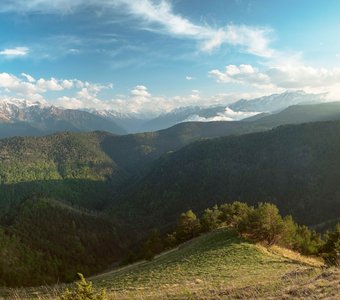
(189, 78)
(15, 52)
(28, 87)
(11, 83)
(227, 115)
(48, 85)
(283, 77)
(28, 77)
(140, 91)
(245, 74)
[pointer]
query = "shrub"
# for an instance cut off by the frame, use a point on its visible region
(265, 224)
(188, 226)
(331, 249)
(235, 214)
(83, 291)
(211, 219)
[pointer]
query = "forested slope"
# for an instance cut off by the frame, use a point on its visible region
(295, 167)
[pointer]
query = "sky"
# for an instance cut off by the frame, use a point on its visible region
(151, 56)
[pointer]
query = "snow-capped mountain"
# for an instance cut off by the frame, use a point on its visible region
(15, 110)
(276, 102)
(236, 111)
(40, 118)
(131, 122)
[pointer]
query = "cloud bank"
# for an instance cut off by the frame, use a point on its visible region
(227, 115)
(283, 77)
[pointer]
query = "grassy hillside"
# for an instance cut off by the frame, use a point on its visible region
(295, 167)
(218, 265)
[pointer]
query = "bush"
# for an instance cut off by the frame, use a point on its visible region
(331, 249)
(235, 214)
(265, 224)
(211, 219)
(188, 226)
(83, 291)
(307, 241)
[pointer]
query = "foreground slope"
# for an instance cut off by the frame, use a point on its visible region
(217, 265)
(221, 265)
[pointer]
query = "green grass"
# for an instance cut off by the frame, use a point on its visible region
(217, 265)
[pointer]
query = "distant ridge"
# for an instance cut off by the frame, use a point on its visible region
(25, 118)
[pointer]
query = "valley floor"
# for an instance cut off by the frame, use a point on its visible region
(217, 265)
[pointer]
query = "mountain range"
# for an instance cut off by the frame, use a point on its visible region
(25, 118)
(236, 111)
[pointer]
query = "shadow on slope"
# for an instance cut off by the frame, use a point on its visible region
(295, 167)
(86, 194)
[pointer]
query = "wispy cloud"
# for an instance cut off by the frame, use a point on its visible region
(159, 17)
(254, 40)
(15, 52)
(41, 6)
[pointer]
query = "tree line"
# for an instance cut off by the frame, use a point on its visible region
(261, 224)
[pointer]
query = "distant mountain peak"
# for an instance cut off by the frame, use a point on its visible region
(277, 102)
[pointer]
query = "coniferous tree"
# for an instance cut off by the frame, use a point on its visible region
(265, 224)
(331, 248)
(210, 219)
(188, 226)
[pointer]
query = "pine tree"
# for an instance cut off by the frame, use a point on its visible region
(188, 226)
(211, 219)
(266, 224)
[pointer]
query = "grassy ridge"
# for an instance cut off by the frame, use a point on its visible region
(209, 266)
(217, 265)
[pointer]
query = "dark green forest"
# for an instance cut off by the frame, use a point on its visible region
(296, 167)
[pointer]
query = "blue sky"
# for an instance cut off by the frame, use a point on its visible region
(150, 56)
